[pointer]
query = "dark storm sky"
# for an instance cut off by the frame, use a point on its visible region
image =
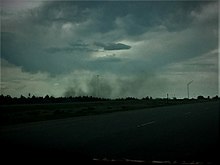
(138, 48)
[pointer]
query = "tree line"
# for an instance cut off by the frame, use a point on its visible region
(5, 100)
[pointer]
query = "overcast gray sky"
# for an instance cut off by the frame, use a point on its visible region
(138, 49)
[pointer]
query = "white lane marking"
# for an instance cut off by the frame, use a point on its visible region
(144, 124)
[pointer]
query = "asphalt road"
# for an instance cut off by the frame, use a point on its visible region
(181, 132)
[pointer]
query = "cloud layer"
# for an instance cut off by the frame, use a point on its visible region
(112, 46)
(133, 46)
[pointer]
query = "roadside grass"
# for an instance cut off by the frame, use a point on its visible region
(15, 114)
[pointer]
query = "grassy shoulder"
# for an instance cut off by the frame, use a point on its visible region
(23, 113)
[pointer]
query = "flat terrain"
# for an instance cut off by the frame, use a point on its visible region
(178, 132)
(24, 113)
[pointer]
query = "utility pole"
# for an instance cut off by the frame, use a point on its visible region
(97, 85)
(188, 88)
(167, 97)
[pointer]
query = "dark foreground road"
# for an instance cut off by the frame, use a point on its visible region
(185, 132)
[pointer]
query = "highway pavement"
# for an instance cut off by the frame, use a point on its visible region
(180, 132)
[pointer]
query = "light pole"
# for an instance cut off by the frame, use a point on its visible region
(188, 88)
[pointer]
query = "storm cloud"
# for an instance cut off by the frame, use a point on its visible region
(132, 45)
(113, 46)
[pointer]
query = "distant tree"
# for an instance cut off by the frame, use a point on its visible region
(215, 97)
(130, 98)
(146, 98)
(46, 97)
(200, 98)
(22, 97)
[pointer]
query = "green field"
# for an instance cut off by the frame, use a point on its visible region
(22, 113)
